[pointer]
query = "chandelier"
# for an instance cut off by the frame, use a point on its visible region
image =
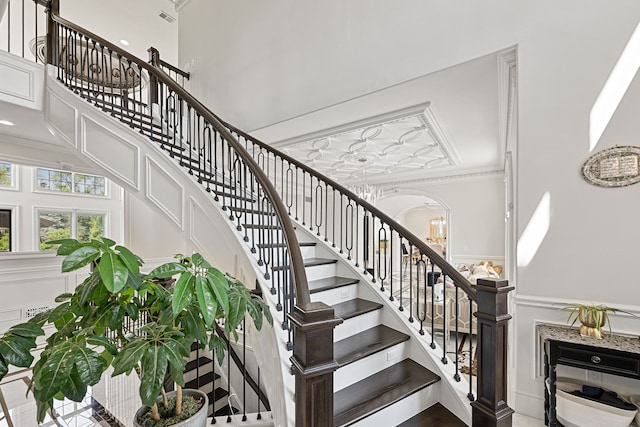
(365, 191)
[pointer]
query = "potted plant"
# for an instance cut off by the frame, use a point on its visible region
(92, 327)
(592, 318)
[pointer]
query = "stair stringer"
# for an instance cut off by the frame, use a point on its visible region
(147, 173)
(451, 394)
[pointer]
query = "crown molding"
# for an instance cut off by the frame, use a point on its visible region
(459, 177)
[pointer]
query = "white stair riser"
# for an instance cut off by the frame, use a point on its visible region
(357, 324)
(363, 368)
(308, 251)
(320, 271)
(336, 296)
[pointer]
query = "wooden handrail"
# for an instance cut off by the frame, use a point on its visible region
(299, 275)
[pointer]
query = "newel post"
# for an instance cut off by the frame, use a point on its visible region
(491, 409)
(314, 363)
(154, 59)
(53, 8)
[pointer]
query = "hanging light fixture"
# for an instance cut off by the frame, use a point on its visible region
(366, 191)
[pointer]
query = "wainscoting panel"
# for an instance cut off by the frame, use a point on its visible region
(116, 154)
(22, 81)
(62, 119)
(165, 192)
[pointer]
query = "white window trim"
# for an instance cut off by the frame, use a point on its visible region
(74, 220)
(36, 189)
(14, 186)
(14, 226)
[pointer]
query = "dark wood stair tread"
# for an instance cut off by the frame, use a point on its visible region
(217, 394)
(437, 415)
(207, 378)
(328, 283)
(282, 245)
(193, 364)
(380, 390)
(366, 343)
(355, 307)
(311, 262)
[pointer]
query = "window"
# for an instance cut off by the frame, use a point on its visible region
(5, 230)
(64, 224)
(70, 182)
(6, 175)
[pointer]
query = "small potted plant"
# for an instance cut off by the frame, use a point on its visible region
(592, 318)
(121, 319)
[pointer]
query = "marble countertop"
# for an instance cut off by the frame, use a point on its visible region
(627, 343)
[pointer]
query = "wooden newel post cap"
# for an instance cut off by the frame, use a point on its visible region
(313, 338)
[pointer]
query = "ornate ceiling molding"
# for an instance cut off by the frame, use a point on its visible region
(404, 140)
(460, 177)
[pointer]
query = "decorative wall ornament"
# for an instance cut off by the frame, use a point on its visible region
(613, 167)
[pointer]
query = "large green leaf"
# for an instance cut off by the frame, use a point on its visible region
(66, 246)
(27, 330)
(89, 363)
(129, 357)
(182, 292)
(167, 270)
(237, 310)
(113, 272)
(129, 259)
(104, 342)
(199, 261)
(220, 286)
(206, 300)
(89, 286)
(218, 346)
(154, 367)
(177, 358)
(16, 350)
(79, 258)
(192, 324)
(74, 388)
(4, 368)
(117, 316)
(55, 371)
(255, 311)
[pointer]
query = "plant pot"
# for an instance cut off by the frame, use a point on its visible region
(592, 323)
(199, 419)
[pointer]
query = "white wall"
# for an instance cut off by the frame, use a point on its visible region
(280, 60)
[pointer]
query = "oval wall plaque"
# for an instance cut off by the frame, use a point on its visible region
(613, 167)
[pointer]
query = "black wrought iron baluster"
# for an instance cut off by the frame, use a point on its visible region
(372, 245)
(291, 301)
(223, 168)
(422, 298)
(333, 219)
(244, 371)
(365, 241)
(311, 211)
(259, 416)
(216, 154)
(253, 212)
(354, 230)
(348, 230)
(433, 313)
(296, 193)
(470, 395)
(318, 210)
(229, 376)
(382, 255)
(402, 284)
(445, 321)
(236, 198)
(326, 212)
(456, 376)
(266, 258)
(304, 196)
(289, 193)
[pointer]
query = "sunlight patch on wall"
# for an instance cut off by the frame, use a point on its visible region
(535, 232)
(614, 89)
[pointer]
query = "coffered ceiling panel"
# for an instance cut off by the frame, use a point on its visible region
(401, 141)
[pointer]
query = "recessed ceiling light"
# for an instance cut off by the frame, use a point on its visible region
(6, 123)
(124, 42)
